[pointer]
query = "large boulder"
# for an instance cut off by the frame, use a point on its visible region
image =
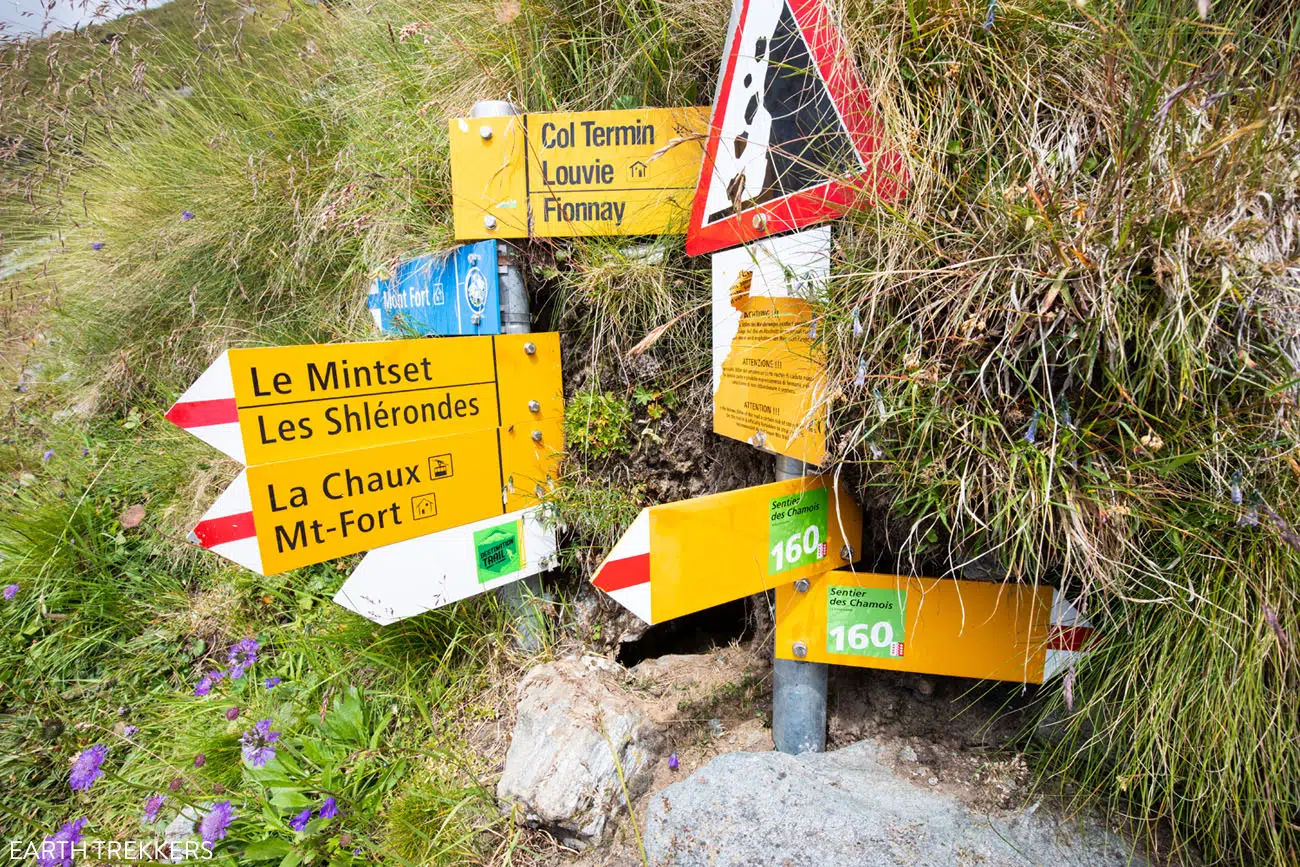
(577, 730)
(847, 808)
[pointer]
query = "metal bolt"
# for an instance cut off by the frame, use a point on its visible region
(760, 220)
(801, 585)
(485, 132)
(489, 222)
(537, 436)
(846, 553)
(530, 348)
(800, 650)
(534, 406)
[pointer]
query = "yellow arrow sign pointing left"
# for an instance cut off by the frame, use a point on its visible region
(683, 557)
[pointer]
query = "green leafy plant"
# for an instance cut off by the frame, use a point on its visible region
(596, 424)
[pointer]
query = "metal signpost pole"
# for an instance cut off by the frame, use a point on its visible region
(798, 687)
(520, 597)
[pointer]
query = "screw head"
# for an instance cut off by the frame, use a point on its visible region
(537, 436)
(846, 553)
(759, 221)
(489, 222)
(530, 348)
(801, 585)
(534, 406)
(485, 132)
(800, 649)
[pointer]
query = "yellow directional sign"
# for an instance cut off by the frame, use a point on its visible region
(687, 556)
(281, 403)
(564, 174)
(934, 626)
(315, 509)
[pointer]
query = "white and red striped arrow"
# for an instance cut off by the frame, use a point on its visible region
(625, 574)
(1068, 636)
(227, 527)
(208, 410)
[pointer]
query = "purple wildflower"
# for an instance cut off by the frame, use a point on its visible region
(176, 784)
(57, 849)
(271, 682)
(299, 822)
(49, 453)
(129, 731)
(242, 656)
(257, 743)
(152, 805)
(85, 452)
(11, 591)
(216, 822)
(329, 809)
(672, 762)
(186, 216)
(232, 714)
(200, 760)
(204, 686)
(86, 768)
(96, 245)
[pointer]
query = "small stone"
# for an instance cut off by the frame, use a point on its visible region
(131, 518)
(934, 781)
(907, 754)
(715, 728)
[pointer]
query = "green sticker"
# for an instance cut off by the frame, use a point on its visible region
(865, 621)
(797, 530)
(497, 551)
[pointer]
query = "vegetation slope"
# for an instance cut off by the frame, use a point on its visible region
(1068, 355)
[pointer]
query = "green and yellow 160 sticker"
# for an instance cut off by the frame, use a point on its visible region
(865, 621)
(797, 530)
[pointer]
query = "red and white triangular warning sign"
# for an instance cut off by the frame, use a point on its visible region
(794, 137)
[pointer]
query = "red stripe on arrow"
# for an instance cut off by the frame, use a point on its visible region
(228, 528)
(201, 413)
(620, 574)
(1068, 637)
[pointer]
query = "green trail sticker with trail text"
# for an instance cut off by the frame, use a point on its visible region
(797, 530)
(497, 551)
(865, 621)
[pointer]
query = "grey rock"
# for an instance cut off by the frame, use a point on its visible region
(847, 808)
(180, 837)
(576, 728)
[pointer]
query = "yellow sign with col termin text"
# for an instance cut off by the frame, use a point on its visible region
(564, 174)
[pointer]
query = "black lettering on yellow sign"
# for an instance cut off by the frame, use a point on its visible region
(300, 401)
(314, 509)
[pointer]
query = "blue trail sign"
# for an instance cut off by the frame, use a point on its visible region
(449, 295)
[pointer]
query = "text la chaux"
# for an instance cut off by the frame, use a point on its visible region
(341, 484)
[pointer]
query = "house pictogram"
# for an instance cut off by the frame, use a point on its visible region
(637, 170)
(424, 506)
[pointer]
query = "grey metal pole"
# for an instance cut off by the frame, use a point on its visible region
(520, 597)
(798, 688)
